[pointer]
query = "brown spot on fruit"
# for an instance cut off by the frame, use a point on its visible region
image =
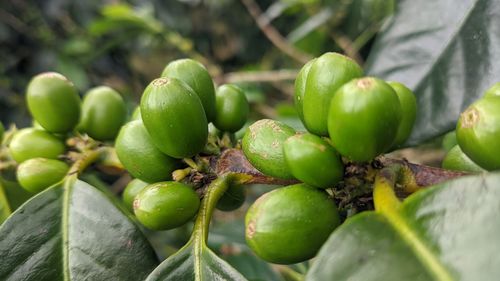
(136, 204)
(160, 81)
(469, 118)
(364, 83)
(250, 229)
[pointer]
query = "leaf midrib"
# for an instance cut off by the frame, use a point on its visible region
(421, 250)
(68, 184)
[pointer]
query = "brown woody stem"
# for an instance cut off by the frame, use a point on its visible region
(414, 176)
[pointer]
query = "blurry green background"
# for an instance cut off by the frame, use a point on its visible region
(126, 44)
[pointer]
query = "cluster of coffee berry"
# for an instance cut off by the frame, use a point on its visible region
(58, 113)
(172, 124)
(348, 118)
(475, 144)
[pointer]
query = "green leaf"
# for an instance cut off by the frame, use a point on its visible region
(252, 267)
(5, 209)
(446, 51)
(74, 71)
(447, 232)
(16, 195)
(228, 239)
(12, 195)
(120, 16)
(366, 14)
(195, 261)
(223, 233)
(72, 231)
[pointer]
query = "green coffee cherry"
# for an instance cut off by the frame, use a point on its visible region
(133, 188)
(103, 113)
(326, 74)
(231, 108)
(457, 160)
(166, 205)
(364, 118)
(262, 145)
(300, 89)
(31, 143)
(196, 76)
(290, 224)
(313, 160)
(478, 132)
(139, 155)
(232, 199)
(408, 109)
(37, 174)
(494, 91)
(53, 102)
(174, 117)
(449, 141)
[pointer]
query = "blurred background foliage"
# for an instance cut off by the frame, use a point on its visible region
(258, 44)
(126, 44)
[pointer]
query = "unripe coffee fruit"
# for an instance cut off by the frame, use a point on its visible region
(290, 224)
(364, 118)
(166, 205)
(174, 117)
(196, 76)
(53, 102)
(103, 113)
(31, 143)
(141, 157)
(231, 108)
(262, 145)
(327, 73)
(37, 174)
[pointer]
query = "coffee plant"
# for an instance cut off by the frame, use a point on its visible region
(343, 208)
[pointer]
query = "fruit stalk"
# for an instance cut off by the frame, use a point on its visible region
(86, 159)
(213, 193)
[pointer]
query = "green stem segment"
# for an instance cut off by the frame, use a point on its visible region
(214, 192)
(88, 158)
(290, 274)
(200, 231)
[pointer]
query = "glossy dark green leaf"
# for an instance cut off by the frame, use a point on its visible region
(447, 232)
(363, 15)
(252, 267)
(72, 231)
(223, 233)
(446, 51)
(195, 261)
